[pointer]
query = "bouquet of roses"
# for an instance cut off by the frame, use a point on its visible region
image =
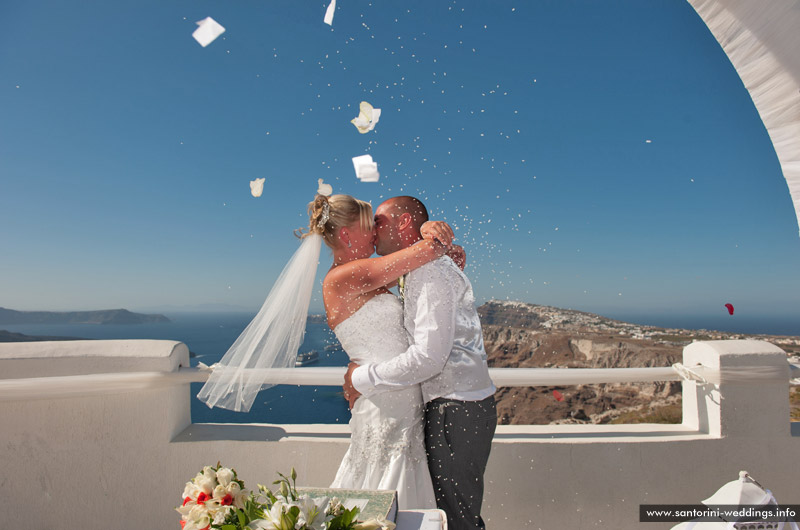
(216, 499)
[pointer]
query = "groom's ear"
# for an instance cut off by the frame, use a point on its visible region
(405, 222)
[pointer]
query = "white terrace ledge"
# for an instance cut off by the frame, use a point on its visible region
(109, 447)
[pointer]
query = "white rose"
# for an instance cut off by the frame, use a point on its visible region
(197, 518)
(224, 476)
(219, 517)
(238, 495)
(219, 492)
(191, 490)
(206, 484)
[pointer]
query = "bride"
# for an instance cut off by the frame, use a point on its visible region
(387, 448)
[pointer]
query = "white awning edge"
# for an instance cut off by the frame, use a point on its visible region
(762, 41)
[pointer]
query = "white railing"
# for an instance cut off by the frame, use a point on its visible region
(83, 385)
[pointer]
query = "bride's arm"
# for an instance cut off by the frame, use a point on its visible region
(365, 275)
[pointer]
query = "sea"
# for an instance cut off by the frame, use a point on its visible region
(209, 336)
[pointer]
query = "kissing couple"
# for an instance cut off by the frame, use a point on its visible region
(418, 385)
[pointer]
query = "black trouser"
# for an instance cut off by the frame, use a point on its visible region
(458, 438)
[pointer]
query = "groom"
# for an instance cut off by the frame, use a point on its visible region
(446, 355)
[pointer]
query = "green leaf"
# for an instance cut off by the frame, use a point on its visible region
(228, 527)
(349, 516)
(242, 519)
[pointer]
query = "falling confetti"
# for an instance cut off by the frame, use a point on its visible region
(730, 308)
(557, 395)
(257, 187)
(324, 189)
(366, 169)
(208, 31)
(329, 13)
(367, 118)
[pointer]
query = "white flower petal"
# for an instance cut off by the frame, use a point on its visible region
(366, 168)
(367, 118)
(208, 30)
(329, 13)
(324, 189)
(256, 188)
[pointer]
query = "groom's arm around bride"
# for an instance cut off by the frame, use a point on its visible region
(447, 357)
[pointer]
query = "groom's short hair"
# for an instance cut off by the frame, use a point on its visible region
(412, 206)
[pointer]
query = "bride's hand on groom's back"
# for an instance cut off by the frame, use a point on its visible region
(458, 255)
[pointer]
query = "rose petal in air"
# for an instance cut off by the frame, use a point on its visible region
(329, 13)
(557, 395)
(324, 189)
(367, 118)
(257, 187)
(366, 169)
(208, 30)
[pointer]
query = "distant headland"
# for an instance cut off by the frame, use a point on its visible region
(105, 316)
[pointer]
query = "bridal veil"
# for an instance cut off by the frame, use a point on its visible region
(272, 338)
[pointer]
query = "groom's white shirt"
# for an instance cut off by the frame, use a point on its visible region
(446, 351)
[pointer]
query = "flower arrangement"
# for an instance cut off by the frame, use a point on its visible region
(216, 499)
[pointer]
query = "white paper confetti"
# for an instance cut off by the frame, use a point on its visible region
(257, 187)
(329, 13)
(366, 169)
(367, 118)
(324, 189)
(208, 31)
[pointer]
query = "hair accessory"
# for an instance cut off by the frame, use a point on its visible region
(326, 214)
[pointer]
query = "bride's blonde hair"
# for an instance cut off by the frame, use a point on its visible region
(326, 215)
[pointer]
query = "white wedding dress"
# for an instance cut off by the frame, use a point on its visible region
(387, 447)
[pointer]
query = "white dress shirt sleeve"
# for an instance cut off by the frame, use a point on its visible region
(430, 299)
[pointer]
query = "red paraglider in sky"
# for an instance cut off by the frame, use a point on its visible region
(730, 308)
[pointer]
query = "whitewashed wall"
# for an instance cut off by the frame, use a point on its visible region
(120, 460)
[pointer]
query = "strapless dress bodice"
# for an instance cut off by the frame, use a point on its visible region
(375, 332)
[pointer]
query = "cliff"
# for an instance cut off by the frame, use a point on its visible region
(9, 336)
(532, 336)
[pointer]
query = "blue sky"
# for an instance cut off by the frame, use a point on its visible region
(602, 156)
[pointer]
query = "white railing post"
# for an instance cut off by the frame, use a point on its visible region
(748, 394)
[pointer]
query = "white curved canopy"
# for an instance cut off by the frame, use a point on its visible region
(762, 40)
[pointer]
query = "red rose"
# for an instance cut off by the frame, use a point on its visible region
(202, 498)
(187, 499)
(227, 500)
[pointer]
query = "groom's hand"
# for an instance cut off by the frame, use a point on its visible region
(350, 393)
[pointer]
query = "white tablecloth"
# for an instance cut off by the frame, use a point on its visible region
(421, 520)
